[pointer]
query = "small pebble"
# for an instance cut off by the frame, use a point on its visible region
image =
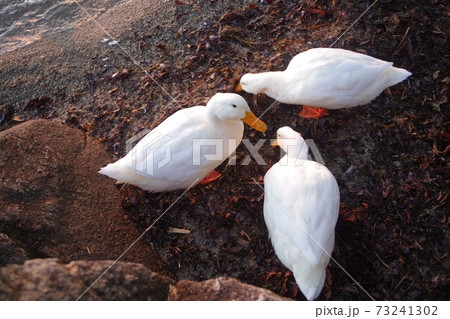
(349, 171)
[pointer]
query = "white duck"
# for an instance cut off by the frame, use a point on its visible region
(188, 145)
(325, 77)
(301, 208)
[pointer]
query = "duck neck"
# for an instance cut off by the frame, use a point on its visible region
(295, 154)
(214, 121)
(277, 84)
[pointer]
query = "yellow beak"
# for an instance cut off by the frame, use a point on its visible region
(251, 120)
(275, 143)
(238, 88)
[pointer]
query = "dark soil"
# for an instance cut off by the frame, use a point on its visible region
(389, 157)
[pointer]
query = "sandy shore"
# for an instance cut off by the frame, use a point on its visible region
(59, 64)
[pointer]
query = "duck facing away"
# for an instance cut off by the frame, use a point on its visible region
(186, 146)
(301, 208)
(326, 78)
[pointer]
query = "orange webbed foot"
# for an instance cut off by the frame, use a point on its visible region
(309, 112)
(211, 177)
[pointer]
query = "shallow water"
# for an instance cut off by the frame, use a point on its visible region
(23, 22)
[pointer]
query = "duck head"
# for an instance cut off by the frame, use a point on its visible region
(291, 142)
(252, 83)
(231, 106)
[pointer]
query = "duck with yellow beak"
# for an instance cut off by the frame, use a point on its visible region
(301, 208)
(185, 148)
(325, 78)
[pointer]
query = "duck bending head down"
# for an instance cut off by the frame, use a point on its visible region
(301, 208)
(326, 78)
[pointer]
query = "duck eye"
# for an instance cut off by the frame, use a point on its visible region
(234, 105)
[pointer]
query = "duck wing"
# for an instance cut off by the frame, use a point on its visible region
(303, 204)
(335, 71)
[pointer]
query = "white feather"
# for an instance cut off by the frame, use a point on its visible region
(301, 208)
(328, 78)
(165, 159)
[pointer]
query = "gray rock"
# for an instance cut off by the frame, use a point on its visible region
(220, 289)
(46, 279)
(9, 252)
(55, 204)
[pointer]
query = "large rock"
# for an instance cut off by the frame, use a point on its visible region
(55, 204)
(46, 279)
(10, 253)
(220, 289)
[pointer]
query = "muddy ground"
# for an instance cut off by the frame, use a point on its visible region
(389, 157)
